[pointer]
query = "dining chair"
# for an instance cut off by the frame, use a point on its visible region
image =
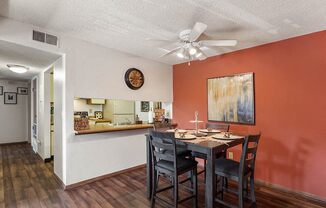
(239, 172)
(169, 164)
(162, 126)
(218, 126)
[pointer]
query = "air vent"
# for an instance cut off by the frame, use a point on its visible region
(38, 36)
(51, 39)
(45, 38)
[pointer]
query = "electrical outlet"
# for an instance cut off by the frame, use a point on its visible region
(230, 155)
(90, 111)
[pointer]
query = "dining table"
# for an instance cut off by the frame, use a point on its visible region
(209, 144)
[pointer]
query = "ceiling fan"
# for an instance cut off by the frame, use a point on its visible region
(191, 47)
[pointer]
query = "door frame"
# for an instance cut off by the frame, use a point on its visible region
(34, 102)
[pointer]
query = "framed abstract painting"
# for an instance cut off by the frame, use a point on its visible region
(231, 99)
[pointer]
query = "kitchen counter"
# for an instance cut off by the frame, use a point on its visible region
(106, 128)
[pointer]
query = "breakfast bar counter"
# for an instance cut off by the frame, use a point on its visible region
(98, 128)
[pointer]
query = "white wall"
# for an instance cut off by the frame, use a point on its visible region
(14, 118)
(94, 71)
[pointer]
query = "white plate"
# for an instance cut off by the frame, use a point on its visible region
(222, 137)
(187, 137)
(210, 131)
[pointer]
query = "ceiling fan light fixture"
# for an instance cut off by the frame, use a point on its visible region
(192, 51)
(180, 55)
(17, 68)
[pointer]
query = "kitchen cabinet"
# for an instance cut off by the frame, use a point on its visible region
(96, 101)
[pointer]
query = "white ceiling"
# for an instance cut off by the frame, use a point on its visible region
(36, 60)
(126, 24)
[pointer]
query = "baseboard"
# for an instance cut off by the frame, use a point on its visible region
(39, 156)
(46, 160)
(81, 183)
(62, 185)
(303, 194)
(14, 143)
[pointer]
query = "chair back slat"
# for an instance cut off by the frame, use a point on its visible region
(163, 147)
(164, 156)
(218, 126)
(249, 152)
(252, 150)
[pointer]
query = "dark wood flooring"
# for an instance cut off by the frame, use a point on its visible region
(26, 181)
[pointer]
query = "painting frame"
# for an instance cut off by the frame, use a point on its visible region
(1, 90)
(22, 90)
(253, 108)
(144, 106)
(6, 99)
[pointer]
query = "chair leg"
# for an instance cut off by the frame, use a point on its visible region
(240, 193)
(246, 190)
(154, 186)
(176, 191)
(194, 187)
(222, 179)
(191, 176)
(205, 171)
(172, 183)
(252, 190)
(226, 182)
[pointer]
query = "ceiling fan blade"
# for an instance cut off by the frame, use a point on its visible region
(171, 52)
(202, 55)
(162, 41)
(196, 31)
(218, 43)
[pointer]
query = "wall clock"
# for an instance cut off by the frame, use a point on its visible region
(134, 78)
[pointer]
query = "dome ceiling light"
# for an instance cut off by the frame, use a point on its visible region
(17, 68)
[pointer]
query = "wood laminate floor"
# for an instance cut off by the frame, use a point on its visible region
(26, 181)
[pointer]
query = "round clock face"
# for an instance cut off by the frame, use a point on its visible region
(134, 78)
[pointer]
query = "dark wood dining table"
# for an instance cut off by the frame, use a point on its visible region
(207, 145)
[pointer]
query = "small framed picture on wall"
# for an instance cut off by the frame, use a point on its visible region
(144, 106)
(1, 90)
(10, 98)
(22, 90)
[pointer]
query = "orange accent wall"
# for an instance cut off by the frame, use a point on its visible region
(290, 99)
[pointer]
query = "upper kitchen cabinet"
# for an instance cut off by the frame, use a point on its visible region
(95, 101)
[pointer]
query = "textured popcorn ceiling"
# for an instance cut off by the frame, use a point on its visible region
(126, 24)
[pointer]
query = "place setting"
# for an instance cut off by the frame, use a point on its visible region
(226, 136)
